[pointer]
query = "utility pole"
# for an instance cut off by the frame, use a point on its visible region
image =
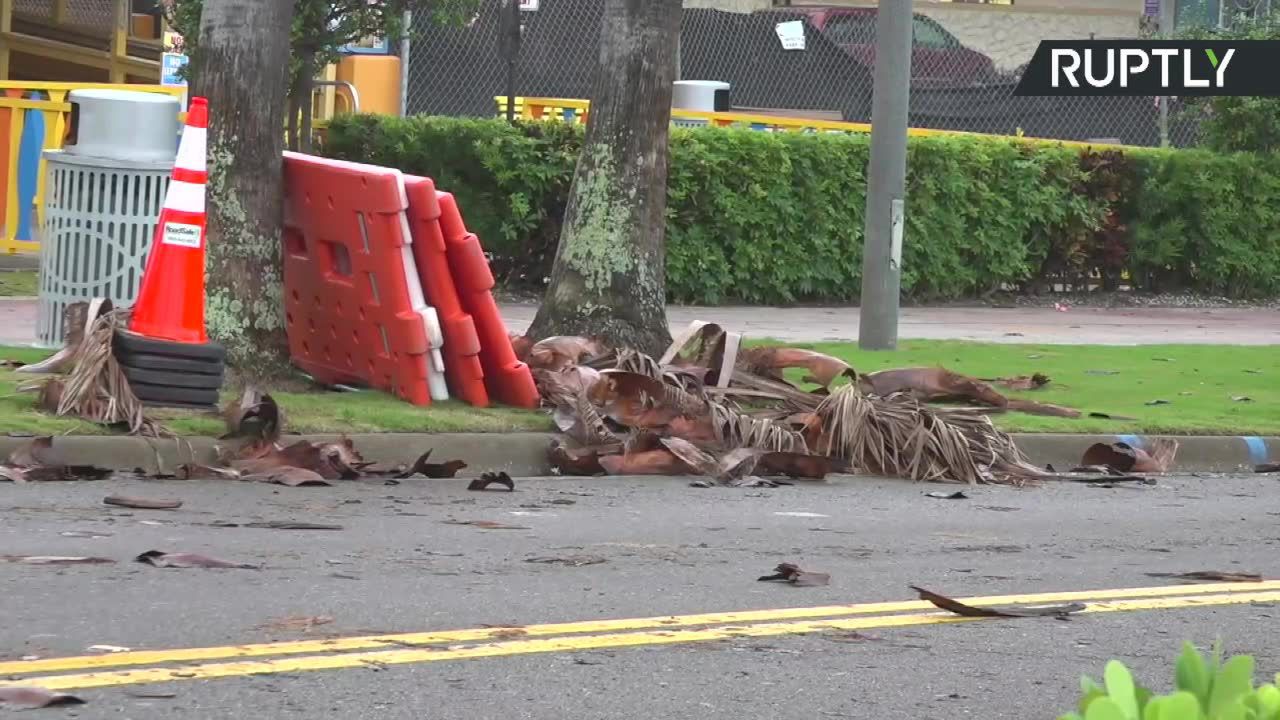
(886, 178)
(1165, 24)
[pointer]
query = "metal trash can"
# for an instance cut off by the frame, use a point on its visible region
(700, 95)
(103, 195)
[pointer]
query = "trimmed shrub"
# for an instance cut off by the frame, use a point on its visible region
(766, 218)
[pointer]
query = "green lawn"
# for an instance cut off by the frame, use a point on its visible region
(1198, 381)
(318, 412)
(19, 283)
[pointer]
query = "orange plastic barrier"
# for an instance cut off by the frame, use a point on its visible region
(462, 364)
(508, 379)
(352, 313)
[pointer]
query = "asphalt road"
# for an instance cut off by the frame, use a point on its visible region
(660, 548)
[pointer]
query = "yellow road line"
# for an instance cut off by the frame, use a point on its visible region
(373, 642)
(580, 643)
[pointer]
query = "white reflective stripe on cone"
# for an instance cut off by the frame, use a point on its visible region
(191, 151)
(184, 196)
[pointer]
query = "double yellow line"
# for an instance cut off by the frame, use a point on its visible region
(130, 668)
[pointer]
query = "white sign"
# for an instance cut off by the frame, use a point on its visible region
(181, 234)
(529, 5)
(791, 35)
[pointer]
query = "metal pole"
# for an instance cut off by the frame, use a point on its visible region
(404, 64)
(1166, 27)
(886, 178)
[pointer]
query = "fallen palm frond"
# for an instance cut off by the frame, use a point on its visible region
(770, 361)
(898, 436)
(563, 351)
(96, 389)
(76, 320)
(738, 430)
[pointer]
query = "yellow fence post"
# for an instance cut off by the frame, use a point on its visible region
(6, 26)
(13, 107)
(120, 42)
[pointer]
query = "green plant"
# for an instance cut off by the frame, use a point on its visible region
(1240, 123)
(1211, 690)
(763, 218)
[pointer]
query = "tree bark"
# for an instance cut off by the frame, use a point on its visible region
(609, 277)
(244, 60)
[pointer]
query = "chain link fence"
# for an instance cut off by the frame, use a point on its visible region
(966, 63)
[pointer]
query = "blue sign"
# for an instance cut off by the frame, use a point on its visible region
(170, 64)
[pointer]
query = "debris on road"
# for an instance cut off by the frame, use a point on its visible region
(1210, 576)
(791, 573)
(107, 649)
(569, 560)
(959, 608)
(1267, 468)
(54, 560)
(285, 475)
(957, 495)
(303, 623)
(36, 697)
(487, 524)
(492, 478)
(1121, 458)
(278, 525)
(159, 559)
(36, 461)
(255, 418)
(708, 408)
(141, 503)
(422, 467)
(195, 471)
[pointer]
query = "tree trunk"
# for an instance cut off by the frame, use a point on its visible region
(609, 277)
(245, 56)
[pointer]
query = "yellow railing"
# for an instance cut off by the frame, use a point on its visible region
(576, 111)
(19, 159)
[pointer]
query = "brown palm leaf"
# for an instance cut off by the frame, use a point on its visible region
(96, 388)
(897, 436)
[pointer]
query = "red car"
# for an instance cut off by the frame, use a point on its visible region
(938, 58)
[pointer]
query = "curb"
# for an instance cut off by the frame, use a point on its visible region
(525, 454)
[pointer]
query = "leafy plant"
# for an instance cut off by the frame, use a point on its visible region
(320, 29)
(1240, 123)
(763, 218)
(1204, 690)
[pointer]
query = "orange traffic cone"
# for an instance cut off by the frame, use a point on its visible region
(170, 303)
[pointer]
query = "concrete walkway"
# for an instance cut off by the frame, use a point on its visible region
(1094, 326)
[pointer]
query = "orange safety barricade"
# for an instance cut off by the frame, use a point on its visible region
(461, 344)
(354, 306)
(508, 379)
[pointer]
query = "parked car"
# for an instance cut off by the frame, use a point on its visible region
(938, 58)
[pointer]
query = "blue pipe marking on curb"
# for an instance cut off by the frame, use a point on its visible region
(1130, 440)
(1257, 449)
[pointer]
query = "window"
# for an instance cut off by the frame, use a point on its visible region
(859, 29)
(928, 34)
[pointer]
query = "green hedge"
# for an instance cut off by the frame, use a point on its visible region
(778, 217)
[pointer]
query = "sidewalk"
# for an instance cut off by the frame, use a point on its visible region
(1087, 326)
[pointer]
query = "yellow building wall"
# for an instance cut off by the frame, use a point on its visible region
(376, 78)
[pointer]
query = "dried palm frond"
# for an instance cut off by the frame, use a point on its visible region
(634, 361)
(900, 437)
(770, 361)
(737, 430)
(580, 420)
(96, 388)
(562, 351)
